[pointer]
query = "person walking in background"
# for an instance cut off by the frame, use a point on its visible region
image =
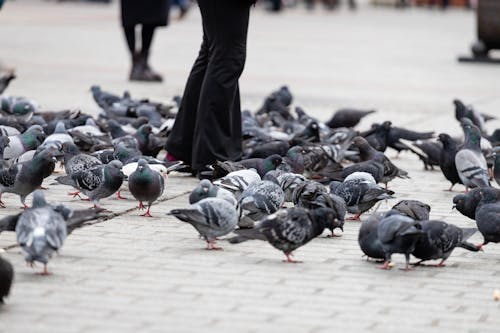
(208, 125)
(149, 14)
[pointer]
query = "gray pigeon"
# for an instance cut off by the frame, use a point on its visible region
(288, 182)
(471, 164)
(414, 209)
(24, 178)
(6, 277)
(96, 183)
(488, 216)
(40, 231)
(75, 161)
(368, 237)
(211, 217)
(440, 240)
(19, 144)
(496, 165)
(467, 203)
(59, 136)
(359, 195)
(238, 181)
(205, 189)
(289, 229)
(259, 200)
(21, 108)
(398, 234)
(146, 185)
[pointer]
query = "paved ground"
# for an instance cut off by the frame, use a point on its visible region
(129, 273)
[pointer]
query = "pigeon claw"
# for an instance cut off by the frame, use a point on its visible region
(141, 205)
(75, 194)
(147, 214)
(290, 260)
(45, 271)
(119, 196)
(386, 265)
(354, 218)
(212, 246)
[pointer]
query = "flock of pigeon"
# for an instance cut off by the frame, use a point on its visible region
(298, 177)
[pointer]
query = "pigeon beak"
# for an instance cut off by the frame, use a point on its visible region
(205, 190)
(453, 207)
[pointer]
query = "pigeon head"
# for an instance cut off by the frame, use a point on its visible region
(115, 164)
(471, 131)
(271, 162)
(145, 129)
(327, 218)
(205, 186)
(271, 176)
(69, 148)
(460, 108)
(38, 199)
(60, 128)
(446, 139)
(95, 89)
(142, 164)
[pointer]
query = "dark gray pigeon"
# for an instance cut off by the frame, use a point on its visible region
(288, 182)
(488, 216)
(40, 231)
(414, 209)
(467, 203)
(335, 203)
(146, 185)
(347, 117)
(359, 195)
(96, 183)
(259, 200)
(440, 239)
(306, 193)
(205, 189)
(24, 178)
(261, 165)
(211, 217)
(289, 229)
(6, 278)
(471, 164)
(447, 159)
(103, 98)
(496, 165)
(398, 234)
(368, 237)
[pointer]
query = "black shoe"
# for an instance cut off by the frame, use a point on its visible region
(207, 172)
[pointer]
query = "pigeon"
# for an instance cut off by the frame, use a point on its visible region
(368, 237)
(75, 161)
(205, 189)
(238, 181)
(60, 135)
(20, 108)
(211, 217)
(397, 135)
(98, 182)
(374, 166)
(146, 185)
(334, 202)
(431, 152)
(378, 136)
(306, 193)
(293, 161)
(289, 229)
(347, 118)
(398, 234)
(102, 98)
(4, 83)
(414, 209)
(259, 200)
(261, 165)
(470, 162)
(288, 182)
(19, 144)
(24, 178)
(488, 216)
(467, 203)
(367, 153)
(267, 149)
(447, 159)
(148, 143)
(440, 239)
(6, 277)
(359, 195)
(285, 96)
(463, 111)
(40, 231)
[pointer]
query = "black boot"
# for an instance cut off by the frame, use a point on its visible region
(148, 73)
(135, 72)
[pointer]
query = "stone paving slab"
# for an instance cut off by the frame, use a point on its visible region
(130, 273)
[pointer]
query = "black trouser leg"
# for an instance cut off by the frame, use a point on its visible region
(130, 37)
(180, 140)
(147, 37)
(217, 133)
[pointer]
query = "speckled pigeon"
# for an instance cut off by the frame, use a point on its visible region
(440, 239)
(289, 229)
(211, 217)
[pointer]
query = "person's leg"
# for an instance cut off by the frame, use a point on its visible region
(180, 140)
(131, 44)
(145, 71)
(217, 133)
